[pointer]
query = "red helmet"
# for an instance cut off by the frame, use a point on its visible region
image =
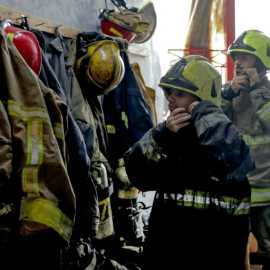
(27, 44)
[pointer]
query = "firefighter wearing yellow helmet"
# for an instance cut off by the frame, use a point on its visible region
(101, 67)
(247, 101)
(185, 76)
(252, 42)
(197, 163)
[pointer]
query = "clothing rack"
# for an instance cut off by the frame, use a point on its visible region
(37, 22)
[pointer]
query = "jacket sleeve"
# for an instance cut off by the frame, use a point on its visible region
(217, 133)
(228, 95)
(252, 108)
(146, 159)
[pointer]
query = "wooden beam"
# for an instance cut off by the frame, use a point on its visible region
(38, 23)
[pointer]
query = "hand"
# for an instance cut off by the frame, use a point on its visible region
(192, 106)
(177, 119)
(253, 76)
(240, 82)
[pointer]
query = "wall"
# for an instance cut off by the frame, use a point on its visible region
(80, 14)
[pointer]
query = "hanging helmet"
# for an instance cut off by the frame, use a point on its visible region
(27, 45)
(148, 15)
(194, 74)
(253, 42)
(130, 24)
(101, 66)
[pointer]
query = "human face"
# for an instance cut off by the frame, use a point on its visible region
(243, 61)
(178, 99)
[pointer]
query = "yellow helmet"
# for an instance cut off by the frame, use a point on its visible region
(101, 66)
(253, 42)
(195, 75)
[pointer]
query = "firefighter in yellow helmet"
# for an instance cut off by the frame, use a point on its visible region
(247, 103)
(101, 68)
(197, 163)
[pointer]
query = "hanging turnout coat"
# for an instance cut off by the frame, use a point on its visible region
(34, 179)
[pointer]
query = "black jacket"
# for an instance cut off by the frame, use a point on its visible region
(201, 207)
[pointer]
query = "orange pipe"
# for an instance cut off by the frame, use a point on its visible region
(229, 28)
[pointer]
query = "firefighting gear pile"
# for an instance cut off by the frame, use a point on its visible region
(62, 145)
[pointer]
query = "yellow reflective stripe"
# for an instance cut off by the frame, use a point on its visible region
(35, 148)
(111, 129)
(34, 156)
(6, 209)
(59, 131)
(256, 140)
(264, 112)
(46, 212)
(115, 32)
(15, 109)
(121, 162)
(124, 118)
(202, 200)
(104, 207)
(30, 180)
(260, 195)
(10, 36)
(131, 193)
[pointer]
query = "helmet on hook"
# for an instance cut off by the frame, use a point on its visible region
(27, 44)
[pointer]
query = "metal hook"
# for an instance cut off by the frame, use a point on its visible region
(24, 22)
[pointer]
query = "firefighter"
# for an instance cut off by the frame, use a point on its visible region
(247, 101)
(197, 164)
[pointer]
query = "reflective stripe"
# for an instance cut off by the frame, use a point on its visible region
(202, 200)
(58, 129)
(30, 180)
(34, 156)
(256, 140)
(10, 36)
(124, 118)
(16, 109)
(115, 32)
(6, 209)
(35, 148)
(131, 193)
(111, 129)
(260, 195)
(104, 206)
(121, 162)
(46, 212)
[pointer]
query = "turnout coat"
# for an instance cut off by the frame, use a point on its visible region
(200, 215)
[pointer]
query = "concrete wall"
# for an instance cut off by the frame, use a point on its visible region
(80, 14)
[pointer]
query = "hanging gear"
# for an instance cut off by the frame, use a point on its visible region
(101, 66)
(134, 25)
(253, 42)
(148, 15)
(195, 75)
(27, 45)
